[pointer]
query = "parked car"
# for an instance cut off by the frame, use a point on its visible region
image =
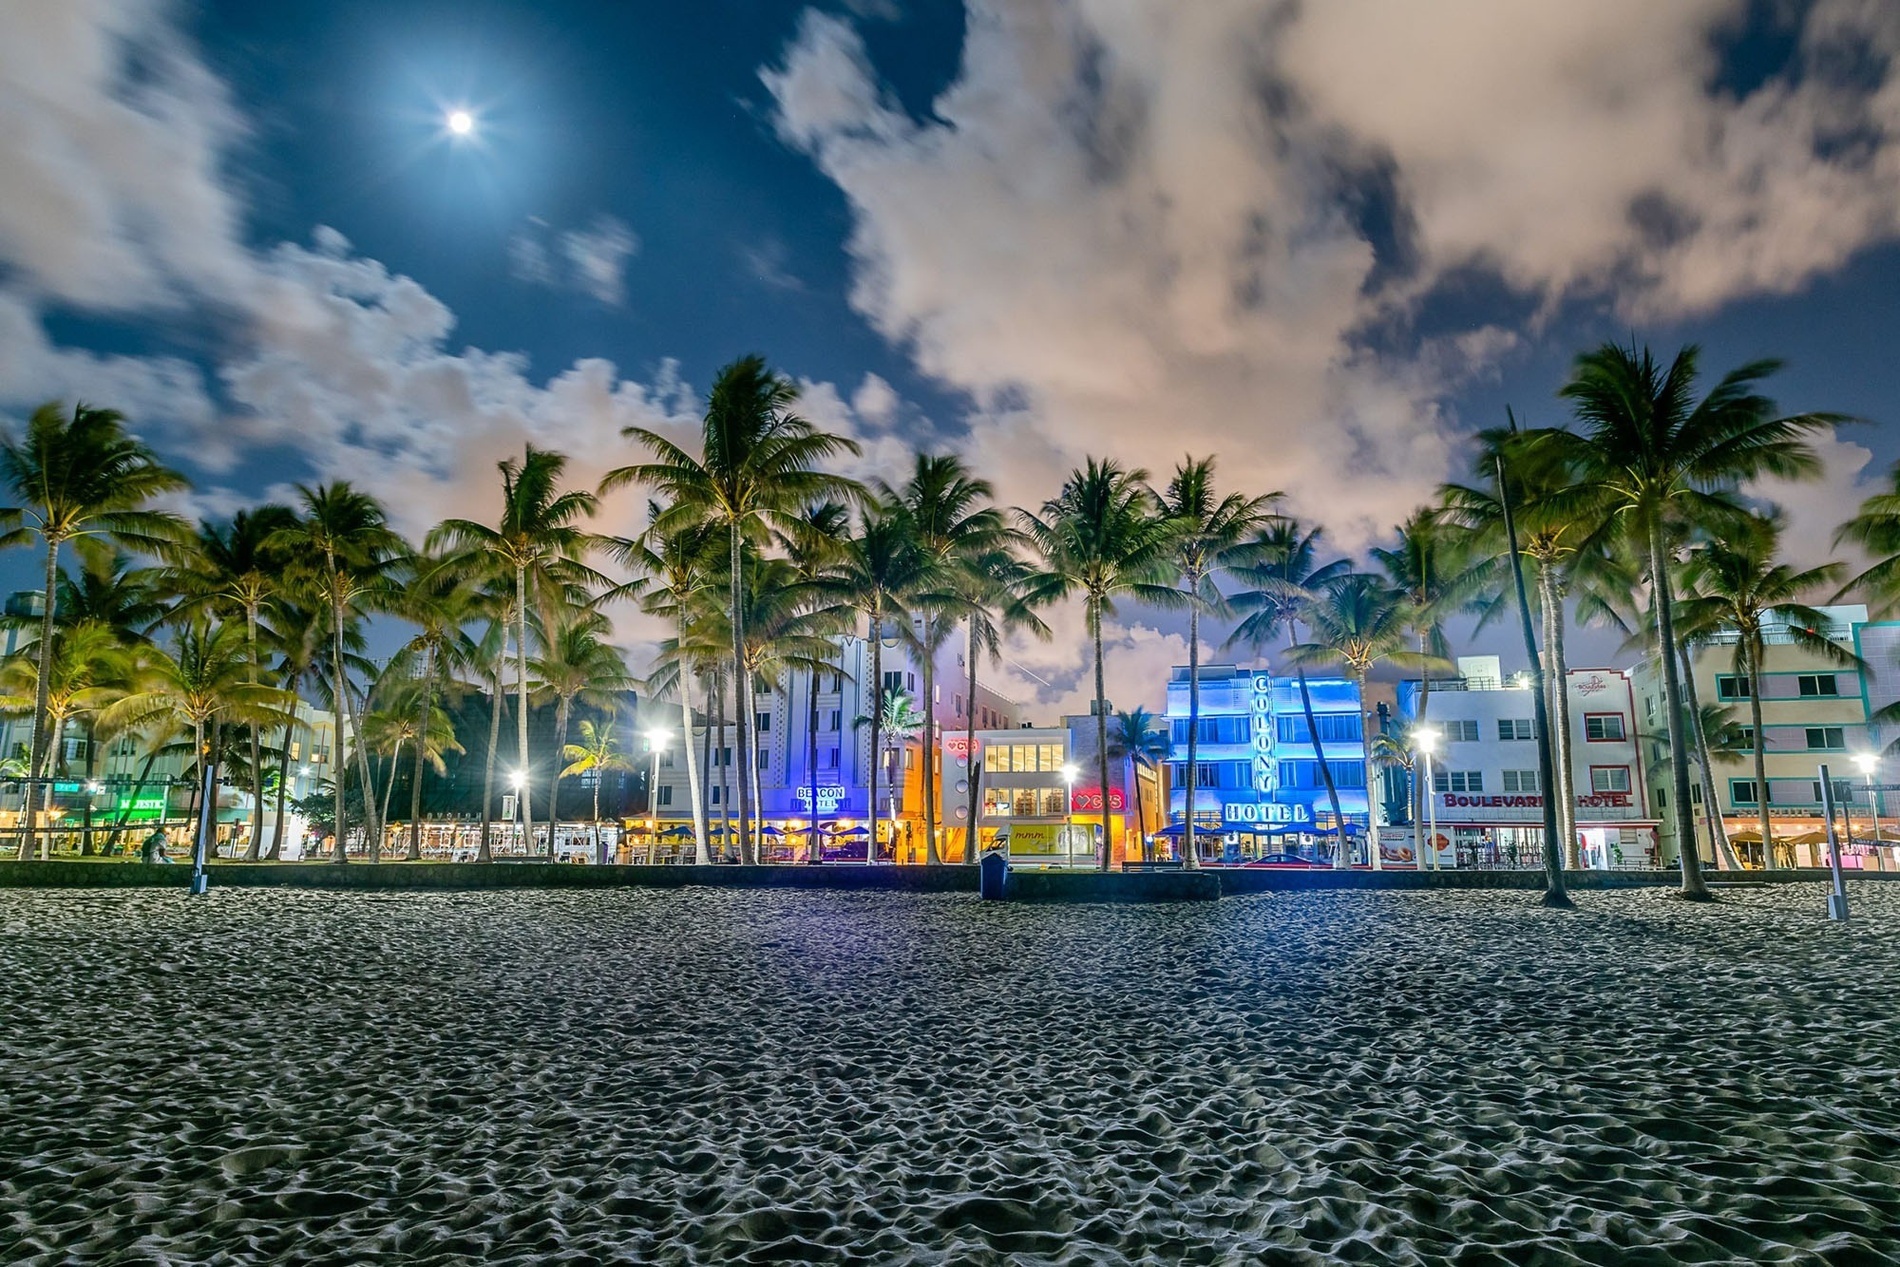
(1285, 860)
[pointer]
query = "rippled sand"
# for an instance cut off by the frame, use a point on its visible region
(709, 1076)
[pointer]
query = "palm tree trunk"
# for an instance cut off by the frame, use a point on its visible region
(1101, 731)
(702, 853)
(373, 828)
(1373, 854)
(197, 794)
(525, 798)
(1761, 763)
(339, 706)
(813, 853)
(131, 802)
(1190, 850)
(971, 833)
(283, 796)
(85, 815)
(414, 852)
(389, 789)
(1718, 834)
(723, 753)
(257, 744)
(597, 778)
(1693, 886)
(36, 762)
(758, 796)
(1341, 859)
(1420, 790)
(1558, 682)
(562, 715)
(484, 852)
(741, 701)
(1141, 826)
(877, 717)
(714, 735)
(931, 856)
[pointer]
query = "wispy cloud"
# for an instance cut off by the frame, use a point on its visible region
(592, 260)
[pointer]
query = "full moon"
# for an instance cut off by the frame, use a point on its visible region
(461, 122)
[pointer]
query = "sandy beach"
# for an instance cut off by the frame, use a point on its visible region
(752, 1076)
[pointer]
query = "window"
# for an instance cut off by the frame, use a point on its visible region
(1695, 793)
(893, 681)
(1843, 791)
(1207, 774)
(1742, 792)
(834, 719)
(664, 795)
(1827, 738)
(666, 758)
(1609, 778)
(1745, 735)
(1662, 799)
(762, 722)
(764, 758)
(1458, 781)
(714, 798)
(1603, 727)
(1730, 686)
(1812, 684)
(725, 757)
(1333, 728)
(998, 801)
(959, 711)
(1512, 729)
(1520, 780)
(996, 759)
(828, 759)
(1305, 774)
(1461, 731)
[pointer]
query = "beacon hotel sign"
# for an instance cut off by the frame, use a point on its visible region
(1528, 807)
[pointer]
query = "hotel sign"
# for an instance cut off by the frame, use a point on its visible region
(830, 797)
(1525, 807)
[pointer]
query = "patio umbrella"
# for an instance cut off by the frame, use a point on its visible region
(769, 830)
(1174, 830)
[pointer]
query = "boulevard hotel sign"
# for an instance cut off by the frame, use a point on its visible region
(1528, 807)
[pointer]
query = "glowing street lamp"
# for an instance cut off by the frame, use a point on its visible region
(1425, 739)
(1068, 813)
(1868, 763)
(657, 739)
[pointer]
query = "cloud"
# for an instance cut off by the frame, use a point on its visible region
(592, 260)
(1817, 507)
(1142, 230)
(767, 263)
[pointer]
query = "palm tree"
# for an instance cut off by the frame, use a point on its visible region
(814, 548)
(1875, 528)
(1102, 538)
(1140, 739)
(231, 569)
(758, 468)
(77, 475)
(1650, 455)
(676, 564)
(296, 637)
(441, 601)
(577, 663)
(1285, 579)
(1208, 535)
(202, 683)
(1738, 586)
(410, 715)
(881, 571)
(537, 542)
(993, 582)
(596, 753)
(344, 548)
(87, 670)
(952, 525)
(897, 720)
(1357, 620)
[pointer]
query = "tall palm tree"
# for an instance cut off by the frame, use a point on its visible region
(1208, 535)
(596, 754)
(896, 722)
(1649, 454)
(1141, 739)
(881, 572)
(201, 683)
(539, 544)
(814, 548)
(1102, 538)
(344, 550)
(578, 664)
(993, 582)
(758, 467)
(1738, 585)
(1359, 621)
(442, 602)
(294, 639)
(675, 566)
(72, 476)
(88, 669)
(232, 569)
(1281, 582)
(953, 525)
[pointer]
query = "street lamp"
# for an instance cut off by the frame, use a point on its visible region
(657, 739)
(518, 780)
(1068, 813)
(1868, 762)
(1425, 739)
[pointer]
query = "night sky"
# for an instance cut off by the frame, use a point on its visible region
(1324, 242)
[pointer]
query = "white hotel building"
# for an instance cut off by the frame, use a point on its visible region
(1486, 791)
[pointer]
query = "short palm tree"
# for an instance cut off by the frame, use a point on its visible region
(343, 550)
(1875, 529)
(577, 665)
(1649, 455)
(88, 669)
(1359, 621)
(897, 721)
(442, 602)
(538, 544)
(1738, 585)
(1102, 538)
(597, 753)
(76, 475)
(759, 466)
(1280, 582)
(1141, 739)
(1208, 535)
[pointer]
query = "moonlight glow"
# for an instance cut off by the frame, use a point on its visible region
(461, 122)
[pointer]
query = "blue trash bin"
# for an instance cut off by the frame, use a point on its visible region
(993, 875)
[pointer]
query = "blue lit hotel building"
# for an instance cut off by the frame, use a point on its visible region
(1256, 761)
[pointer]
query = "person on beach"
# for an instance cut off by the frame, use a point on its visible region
(153, 850)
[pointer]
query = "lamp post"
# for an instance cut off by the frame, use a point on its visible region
(1425, 739)
(657, 739)
(1068, 814)
(518, 781)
